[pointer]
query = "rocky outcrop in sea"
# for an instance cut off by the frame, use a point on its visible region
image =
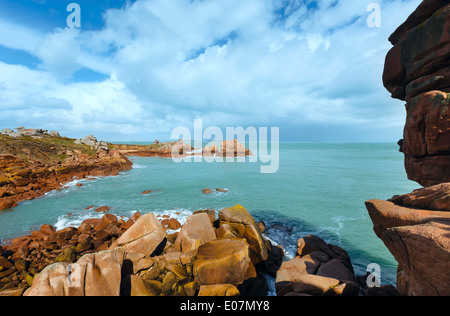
(177, 149)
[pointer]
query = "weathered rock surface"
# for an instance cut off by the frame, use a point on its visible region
(27, 256)
(196, 232)
(243, 225)
(96, 274)
(221, 290)
(144, 237)
(142, 260)
(223, 261)
(417, 70)
(318, 269)
(22, 131)
(419, 241)
(435, 197)
(415, 226)
(92, 142)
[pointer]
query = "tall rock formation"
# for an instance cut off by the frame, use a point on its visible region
(417, 70)
(415, 227)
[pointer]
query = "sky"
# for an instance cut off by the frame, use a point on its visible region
(137, 69)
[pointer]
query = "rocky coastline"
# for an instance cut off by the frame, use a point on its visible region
(34, 162)
(225, 253)
(212, 254)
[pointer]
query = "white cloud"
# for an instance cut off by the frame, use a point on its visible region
(59, 52)
(19, 37)
(229, 62)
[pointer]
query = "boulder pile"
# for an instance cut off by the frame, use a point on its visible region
(92, 142)
(22, 131)
(225, 255)
(25, 257)
(318, 269)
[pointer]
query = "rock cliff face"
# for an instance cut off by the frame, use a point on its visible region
(415, 227)
(417, 70)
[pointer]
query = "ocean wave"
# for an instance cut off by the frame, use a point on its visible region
(75, 220)
(66, 188)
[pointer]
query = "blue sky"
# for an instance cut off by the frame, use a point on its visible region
(137, 69)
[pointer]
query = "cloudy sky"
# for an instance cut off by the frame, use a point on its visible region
(135, 70)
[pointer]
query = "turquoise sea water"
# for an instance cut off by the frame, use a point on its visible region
(319, 189)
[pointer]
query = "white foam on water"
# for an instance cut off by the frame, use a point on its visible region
(68, 187)
(180, 215)
(75, 219)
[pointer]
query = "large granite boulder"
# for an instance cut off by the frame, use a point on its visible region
(223, 261)
(419, 241)
(146, 236)
(196, 231)
(96, 274)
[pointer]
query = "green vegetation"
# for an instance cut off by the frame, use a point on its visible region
(47, 149)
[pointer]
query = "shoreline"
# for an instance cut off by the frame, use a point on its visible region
(70, 245)
(35, 163)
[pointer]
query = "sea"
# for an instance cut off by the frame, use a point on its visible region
(319, 189)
